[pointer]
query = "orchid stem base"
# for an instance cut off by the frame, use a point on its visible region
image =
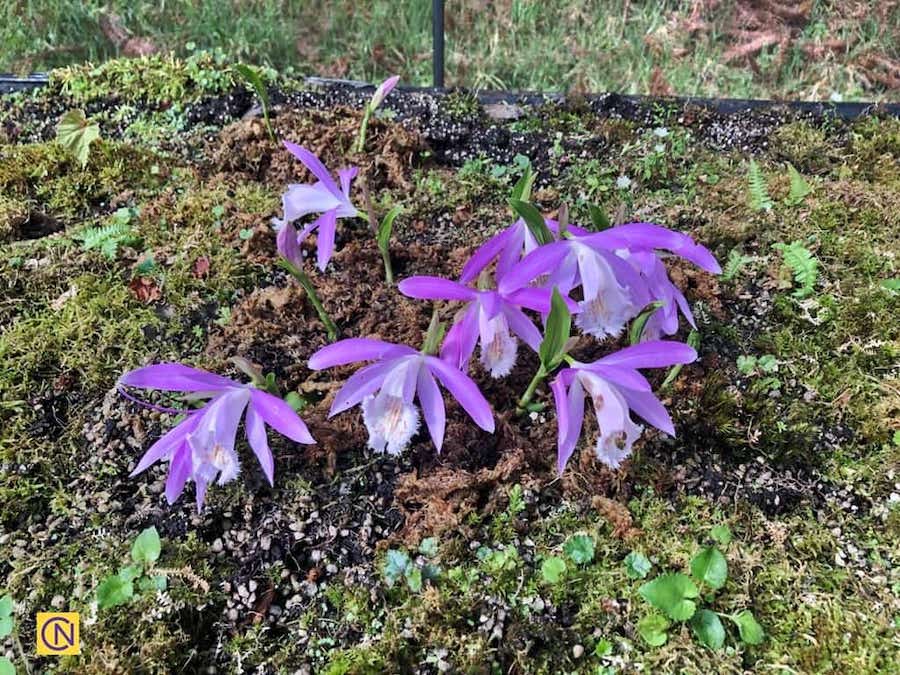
(522, 405)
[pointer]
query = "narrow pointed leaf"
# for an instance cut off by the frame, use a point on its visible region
(522, 189)
(533, 219)
(387, 226)
(599, 219)
(556, 333)
(640, 322)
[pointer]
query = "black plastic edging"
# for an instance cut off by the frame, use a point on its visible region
(724, 106)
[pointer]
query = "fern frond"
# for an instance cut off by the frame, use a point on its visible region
(802, 263)
(107, 238)
(799, 187)
(734, 264)
(759, 192)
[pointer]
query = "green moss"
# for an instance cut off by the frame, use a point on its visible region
(154, 79)
(44, 174)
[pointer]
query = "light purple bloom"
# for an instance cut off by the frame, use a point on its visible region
(383, 90)
(615, 388)
(323, 197)
(619, 272)
(612, 292)
(386, 390)
(201, 447)
(507, 248)
(488, 318)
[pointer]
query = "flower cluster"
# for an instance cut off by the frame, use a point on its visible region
(523, 284)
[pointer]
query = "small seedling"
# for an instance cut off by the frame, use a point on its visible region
(119, 588)
(76, 134)
(677, 595)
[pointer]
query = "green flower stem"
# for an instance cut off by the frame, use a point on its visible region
(388, 268)
(539, 377)
(361, 139)
(307, 285)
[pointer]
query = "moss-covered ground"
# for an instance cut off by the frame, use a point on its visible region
(789, 426)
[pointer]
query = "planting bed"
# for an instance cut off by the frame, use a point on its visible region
(788, 425)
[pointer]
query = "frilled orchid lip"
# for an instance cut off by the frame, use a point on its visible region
(401, 374)
(201, 447)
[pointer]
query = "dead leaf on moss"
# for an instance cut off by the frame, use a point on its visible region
(201, 267)
(145, 289)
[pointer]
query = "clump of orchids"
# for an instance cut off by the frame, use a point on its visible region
(530, 283)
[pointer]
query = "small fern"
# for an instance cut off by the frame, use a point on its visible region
(799, 187)
(802, 263)
(759, 192)
(107, 238)
(734, 264)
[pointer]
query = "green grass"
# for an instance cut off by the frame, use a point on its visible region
(517, 44)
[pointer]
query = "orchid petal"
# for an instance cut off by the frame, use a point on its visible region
(179, 472)
(346, 176)
(459, 343)
(288, 245)
(649, 407)
(314, 165)
(301, 200)
(465, 391)
(280, 416)
(537, 262)
(523, 327)
(435, 288)
(483, 255)
(256, 437)
(514, 250)
(362, 383)
(351, 350)
(432, 407)
(624, 377)
(176, 377)
(652, 354)
(166, 444)
(326, 223)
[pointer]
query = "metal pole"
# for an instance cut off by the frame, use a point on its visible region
(437, 36)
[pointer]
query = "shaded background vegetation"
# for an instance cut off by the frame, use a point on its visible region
(753, 48)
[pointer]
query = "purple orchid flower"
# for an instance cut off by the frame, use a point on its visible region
(386, 390)
(323, 197)
(201, 447)
(488, 318)
(613, 292)
(619, 272)
(507, 248)
(615, 388)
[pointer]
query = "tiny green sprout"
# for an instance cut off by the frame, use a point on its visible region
(652, 629)
(721, 534)
(710, 567)
(383, 237)
(637, 565)
(118, 589)
(580, 549)
(693, 340)
(673, 594)
(553, 569)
